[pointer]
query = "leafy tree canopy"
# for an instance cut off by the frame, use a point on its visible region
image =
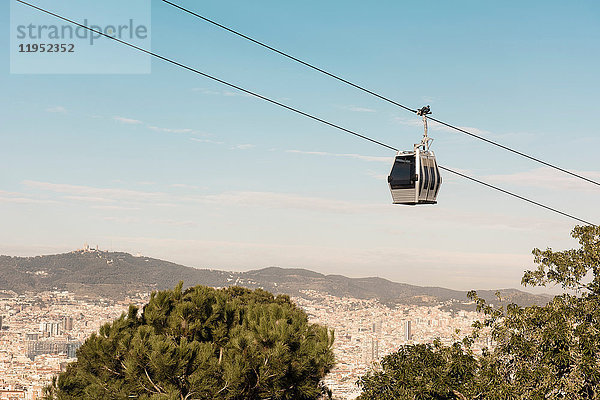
(202, 343)
(549, 352)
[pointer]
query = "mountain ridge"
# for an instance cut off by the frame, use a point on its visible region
(119, 274)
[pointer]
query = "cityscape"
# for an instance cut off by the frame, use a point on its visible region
(41, 332)
(369, 200)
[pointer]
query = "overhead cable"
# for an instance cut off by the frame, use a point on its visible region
(379, 96)
(282, 105)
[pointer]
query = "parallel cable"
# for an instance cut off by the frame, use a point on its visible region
(347, 82)
(362, 88)
(515, 151)
(516, 195)
(212, 77)
(285, 106)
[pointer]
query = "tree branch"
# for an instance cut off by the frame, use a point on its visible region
(459, 395)
(158, 388)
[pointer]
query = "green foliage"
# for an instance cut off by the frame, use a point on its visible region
(422, 371)
(539, 352)
(202, 343)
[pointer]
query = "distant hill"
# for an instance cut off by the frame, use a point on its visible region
(101, 273)
(116, 275)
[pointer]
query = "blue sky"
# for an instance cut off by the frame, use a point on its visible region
(174, 166)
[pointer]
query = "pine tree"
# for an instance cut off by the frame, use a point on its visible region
(202, 343)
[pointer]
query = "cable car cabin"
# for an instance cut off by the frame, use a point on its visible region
(415, 178)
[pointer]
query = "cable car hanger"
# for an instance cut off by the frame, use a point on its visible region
(415, 177)
(426, 141)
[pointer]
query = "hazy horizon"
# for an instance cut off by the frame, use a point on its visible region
(548, 291)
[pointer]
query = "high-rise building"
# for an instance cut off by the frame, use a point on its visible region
(50, 328)
(374, 349)
(407, 330)
(68, 323)
(38, 347)
(377, 327)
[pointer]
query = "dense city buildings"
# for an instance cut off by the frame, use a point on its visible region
(41, 333)
(366, 330)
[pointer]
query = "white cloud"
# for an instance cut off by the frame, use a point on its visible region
(359, 109)
(128, 121)
(548, 178)
(377, 176)
(470, 129)
(57, 109)
(115, 208)
(435, 126)
(172, 222)
(94, 194)
(184, 186)
(271, 200)
(91, 199)
(206, 141)
(227, 93)
(245, 146)
(230, 93)
(449, 177)
(489, 219)
(409, 122)
(20, 198)
(205, 91)
(171, 130)
(128, 219)
(387, 160)
(109, 198)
